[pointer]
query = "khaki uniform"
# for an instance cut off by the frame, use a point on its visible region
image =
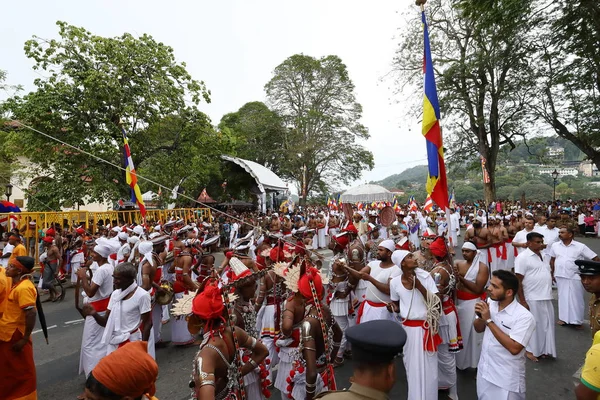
(594, 314)
(356, 392)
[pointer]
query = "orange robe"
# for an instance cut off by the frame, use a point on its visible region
(18, 377)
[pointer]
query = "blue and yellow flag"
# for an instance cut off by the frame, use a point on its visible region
(131, 176)
(437, 186)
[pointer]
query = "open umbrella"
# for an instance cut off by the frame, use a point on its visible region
(8, 207)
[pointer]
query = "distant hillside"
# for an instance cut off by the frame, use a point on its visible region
(416, 174)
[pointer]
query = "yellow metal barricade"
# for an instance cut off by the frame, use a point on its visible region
(31, 225)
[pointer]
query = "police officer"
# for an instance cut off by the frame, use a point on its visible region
(375, 345)
(589, 271)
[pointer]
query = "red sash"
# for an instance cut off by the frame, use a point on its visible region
(461, 295)
(100, 305)
(361, 309)
(515, 252)
(430, 343)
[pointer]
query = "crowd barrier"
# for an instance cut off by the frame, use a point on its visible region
(90, 220)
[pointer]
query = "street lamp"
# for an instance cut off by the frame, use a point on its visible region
(8, 191)
(555, 177)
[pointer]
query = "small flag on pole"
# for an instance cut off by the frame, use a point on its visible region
(428, 205)
(131, 176)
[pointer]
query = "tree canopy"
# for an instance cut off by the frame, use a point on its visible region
(315, 98)
(90, 81)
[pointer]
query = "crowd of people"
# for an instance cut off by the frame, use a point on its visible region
(277, 313)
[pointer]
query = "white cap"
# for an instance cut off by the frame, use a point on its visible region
(138, 230)
(123, 236)
(157, 228)
(388, 244)
(103, 250)
(398, 256)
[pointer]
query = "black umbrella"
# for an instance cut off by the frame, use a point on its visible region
(42, 317)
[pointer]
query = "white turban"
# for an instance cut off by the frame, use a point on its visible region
(469, 246)
(133, 240)
(123, 236)
(145, 248)
(398, 256)
(138, 230)
(103, 250)
(388, 244)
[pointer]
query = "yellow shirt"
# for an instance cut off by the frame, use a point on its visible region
(4, 286)
(21, 296)
(589, 373)
(18, 251)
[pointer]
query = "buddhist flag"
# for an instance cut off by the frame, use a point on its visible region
(452, 202)
(131, 177)
(428, 205)
(412, 206)
(437, 186)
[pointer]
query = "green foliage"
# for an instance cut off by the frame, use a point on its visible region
(534, 191)
(484, 80)
(90, 82)
(417, 174)
(259, 135)
(315, 98)
(467, 193)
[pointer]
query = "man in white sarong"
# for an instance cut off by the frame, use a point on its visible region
(321, 231)
(507, 328)
(98, 292)
(377, 274)
(571, 304)
(410, 293)
(472, 277)
(535, 294)
(454, 226)
(128, 317)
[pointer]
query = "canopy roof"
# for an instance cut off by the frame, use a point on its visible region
(366, 193)
(266, 180)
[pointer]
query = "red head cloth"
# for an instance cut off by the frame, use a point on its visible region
(350, 228)
(403, 244)
(80, 231)
(276, 254)
(48, 239)
(304, 286)
(229, 254)
(128, 371)
(50, 232)
(342, 241)
(209, 303)
(438, 247)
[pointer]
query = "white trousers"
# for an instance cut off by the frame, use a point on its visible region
(542, 341)
(421, 366)
(571, 304)
(486, 390)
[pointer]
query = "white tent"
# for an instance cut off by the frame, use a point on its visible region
(366, 193)
(266, 180)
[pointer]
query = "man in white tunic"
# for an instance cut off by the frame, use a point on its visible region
(571, 304)
(535, 294)
(520, 240)
(377, 274)
(472, 277)
(128, 317)
(97, 292)
(415, 298)
(507, 328)
(550, 233)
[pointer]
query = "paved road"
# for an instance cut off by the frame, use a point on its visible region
(57, 363)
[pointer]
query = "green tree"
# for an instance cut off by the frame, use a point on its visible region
(480, 53)
(466, 193)
(91, 81)
(315, 98)
(534, 191)
(259, 134)
(569, 75)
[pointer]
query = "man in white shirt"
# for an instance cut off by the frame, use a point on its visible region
(507, 328)
(409, 295)
(454, 227)
(97, 293)
(377, 274)
(550, 233)
(6, 253)
(535, 294)
(571, 304)
(128, 318)
(520, 240)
